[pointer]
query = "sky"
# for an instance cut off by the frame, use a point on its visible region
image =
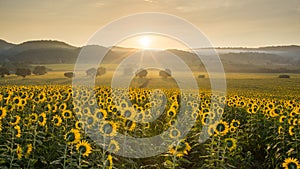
(226, 23)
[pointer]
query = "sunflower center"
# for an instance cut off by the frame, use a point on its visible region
(100, 115)
(129, 123)
(14, 119)
(235, 124)
(229, 143)
(175, 133)
(220, 127)
(67, 114)
(127, 113)
(41, 118)
(292, 165)
(71, 137)
(82, 149)
(107, 128)
(90, 120)
(17, 101)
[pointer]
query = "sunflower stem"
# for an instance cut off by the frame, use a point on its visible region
(65, 156)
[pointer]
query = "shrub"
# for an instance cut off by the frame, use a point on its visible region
(284, 76)
(201, 76)
(4, 71)
(69, 74)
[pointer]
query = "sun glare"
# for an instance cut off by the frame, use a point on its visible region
(145, 42)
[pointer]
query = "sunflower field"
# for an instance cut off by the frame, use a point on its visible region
(46, 127)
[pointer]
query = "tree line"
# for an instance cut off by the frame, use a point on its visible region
(23, 72)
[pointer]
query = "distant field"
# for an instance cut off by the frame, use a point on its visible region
(260, 83)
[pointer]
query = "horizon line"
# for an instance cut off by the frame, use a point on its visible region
(211, 47)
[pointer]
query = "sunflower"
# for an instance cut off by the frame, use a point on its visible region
(63, 107)
(84, 148)
(282, 119)
(194, 115)
(173, 122)
(15, 120)
(113, 146)
(108, 128)
(291, 163)
(230, 143)
(101, 114)
(235, 123)
(174, 133)
(90, 120)
(180, 148)
(211, 129)
(17, 100)
(67, 114)
(86, 111)
(28, 151)
(222, 128)
(128, 113)
(18, 131)
(73, 136)
(56, 120)
(109, 162)
(33, 117)
(232, 129)
(291, 130)
(19, 151)
(79, 125)
(129, 125)
(280, 129)
(206, 120)
(2, 113)
(171, 113)
(42, 120)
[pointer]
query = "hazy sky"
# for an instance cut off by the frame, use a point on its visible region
(225, 22)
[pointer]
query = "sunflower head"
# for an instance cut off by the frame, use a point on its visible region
(84, 148)
(2, 112)
(290, 163)
(19, 151)
(113, 146)
(42, 119)
(73, 136)
(108, 128)
(15, 120)
(174, 133)
(57, 120)
(230, 143)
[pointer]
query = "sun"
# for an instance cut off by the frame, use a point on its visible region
(145, 42)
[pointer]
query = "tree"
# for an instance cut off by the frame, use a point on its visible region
(69, 74)
(23, 72)
(39, 70)
(165, 73)
(141, 73)
(101, 71)
(4, 71)
(91, 72)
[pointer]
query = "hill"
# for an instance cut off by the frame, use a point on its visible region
(263, 59)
